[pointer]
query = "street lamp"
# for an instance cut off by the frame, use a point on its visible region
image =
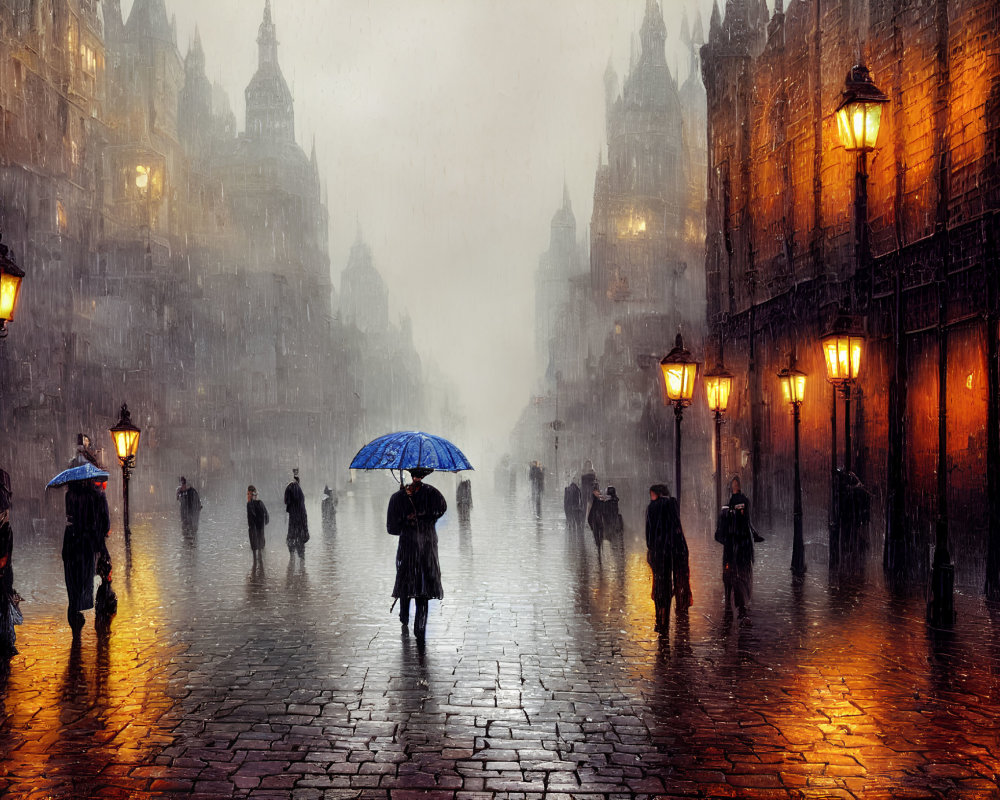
(843, 348)
(793, 386)
(126, 438)
(679, 373)
(10, 286)
(718, 387)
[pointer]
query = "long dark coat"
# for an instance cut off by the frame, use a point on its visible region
(735, 533)
(411, 517)
(190, 504)
(6, 584)
(573, 503)
(667, 553)
(295, 505)
(257, 518)
(87, 525)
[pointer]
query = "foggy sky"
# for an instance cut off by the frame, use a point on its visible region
(445, 129)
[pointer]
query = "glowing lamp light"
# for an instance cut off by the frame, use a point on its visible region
(843, 346)
(718, 387)
(125, 436)
(11, 276)
(793, 384)
(679, 373)
(859, 114)
(142, 178)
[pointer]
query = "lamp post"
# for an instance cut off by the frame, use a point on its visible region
(679, 373)
(144, 183)
(10, 286)
(843, 347)
(126, 438)
(859, 117)
(718, 387)
(793, 386)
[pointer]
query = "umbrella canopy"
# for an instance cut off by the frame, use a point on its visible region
(409, 450)
(84, 472)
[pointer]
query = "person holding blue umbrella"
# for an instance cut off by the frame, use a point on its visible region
(411, 516)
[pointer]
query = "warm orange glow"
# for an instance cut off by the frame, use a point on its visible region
(679, 380)
(718, 386)
(126, 443)
(142, 175)
(842, 355)
(858, 125)
(859, 114)
(10, 287)
(793, 385)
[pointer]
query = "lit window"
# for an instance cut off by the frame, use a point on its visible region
(60, 216)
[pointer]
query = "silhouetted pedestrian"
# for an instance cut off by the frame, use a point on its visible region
(190, 507)
(737, 536)
(328, 509)
(667, 555)
(412, 512)
(87, 524)
(9, 599)
(298, 525)
(463, 498)
(597, 517)
(573, 506)
(257, 519)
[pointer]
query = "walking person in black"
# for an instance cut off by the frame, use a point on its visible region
(87, 524)
(257, 519)
(298, 524)
(736, 534)
(667, 555)
(412, 512)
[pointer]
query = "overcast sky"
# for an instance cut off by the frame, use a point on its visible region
(445, 128)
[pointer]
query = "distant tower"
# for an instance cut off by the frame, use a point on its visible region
(364, 298)
(641, 196)
(269, 112)
(555, 268)
(194, 106)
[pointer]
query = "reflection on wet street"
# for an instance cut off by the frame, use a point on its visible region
(541, 672)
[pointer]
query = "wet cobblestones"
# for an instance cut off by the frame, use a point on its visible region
(541, 675)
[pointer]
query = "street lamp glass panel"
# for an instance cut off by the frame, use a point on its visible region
(718, 388)
(679, 379)
(793, 385)
(858, 124)
(10, 286)
(126, 443)
(842, 355)
(142, 178)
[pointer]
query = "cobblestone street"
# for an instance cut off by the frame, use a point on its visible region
(541, 674)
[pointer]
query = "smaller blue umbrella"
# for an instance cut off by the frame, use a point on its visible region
(84, 472)
(409, 450)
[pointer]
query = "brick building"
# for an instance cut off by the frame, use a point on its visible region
(781, 253)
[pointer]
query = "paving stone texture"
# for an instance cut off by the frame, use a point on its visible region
(541, 675)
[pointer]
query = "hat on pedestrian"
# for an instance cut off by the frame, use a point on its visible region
(295, 472)
(660, 490)
(420, 472)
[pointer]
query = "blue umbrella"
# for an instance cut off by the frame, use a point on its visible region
(409, 450)
(84, 472)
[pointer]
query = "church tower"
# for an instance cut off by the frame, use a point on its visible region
(194, 109)
(269, 112)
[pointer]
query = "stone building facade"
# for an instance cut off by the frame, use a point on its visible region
(170, 261)
(781, 256)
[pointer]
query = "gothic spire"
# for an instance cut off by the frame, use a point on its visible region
(715, 22)
(653, 33)
(148, 19)
(267, 39)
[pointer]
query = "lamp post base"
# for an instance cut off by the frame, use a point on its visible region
(941, 608)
